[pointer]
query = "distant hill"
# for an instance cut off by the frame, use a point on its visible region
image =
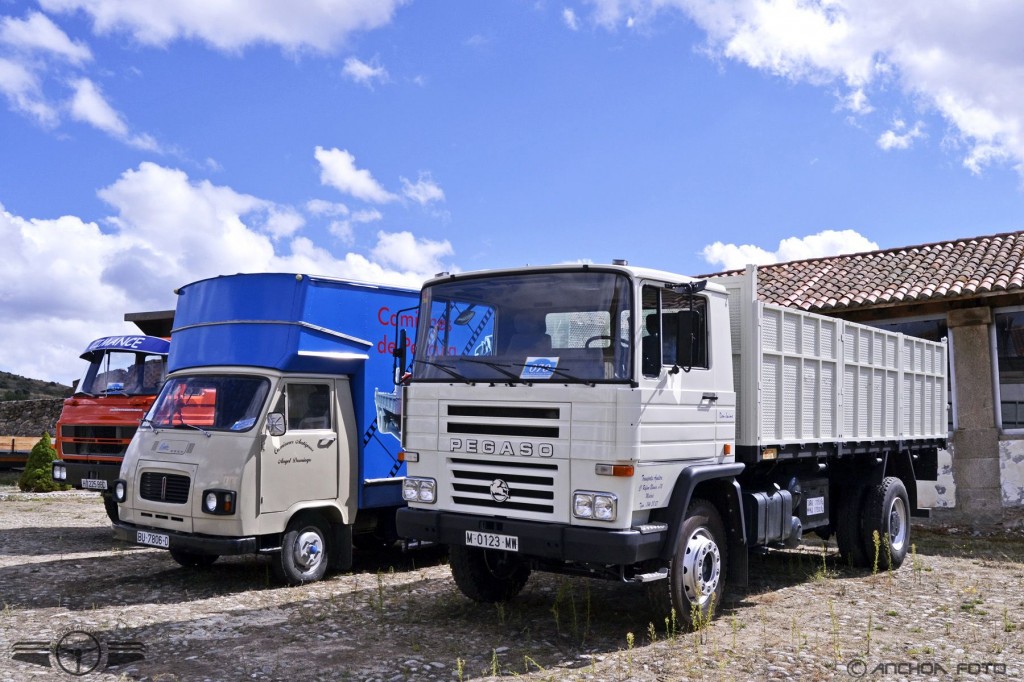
(14, 387)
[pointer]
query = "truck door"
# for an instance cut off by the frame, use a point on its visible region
(678, 384)
(302, 465)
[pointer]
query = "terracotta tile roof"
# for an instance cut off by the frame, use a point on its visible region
(963, 268)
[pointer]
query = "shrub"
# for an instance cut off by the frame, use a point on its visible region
(37, 477)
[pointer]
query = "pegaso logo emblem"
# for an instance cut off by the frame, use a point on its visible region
(499, 490)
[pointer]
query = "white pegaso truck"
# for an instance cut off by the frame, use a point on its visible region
(643, 426)
(267, 437)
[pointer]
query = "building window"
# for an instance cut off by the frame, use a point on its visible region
(1009, 329)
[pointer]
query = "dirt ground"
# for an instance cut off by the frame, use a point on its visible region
(71, 598)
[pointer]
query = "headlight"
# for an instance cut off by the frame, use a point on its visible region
(419, 490)
(219, 502)
(120, 491)
(597, 506)
(60, 472)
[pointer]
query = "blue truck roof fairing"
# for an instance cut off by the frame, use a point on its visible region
(306, 325)
(293, 323)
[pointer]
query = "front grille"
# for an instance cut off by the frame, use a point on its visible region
(504, 421)
(160, 487)
(83, 440)
(531, 485)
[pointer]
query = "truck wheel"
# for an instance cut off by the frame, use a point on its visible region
(111, 508)
(887, 510)
(487, 576)
(849, 531)
(303, 557)
(697, 571)
(193, 560)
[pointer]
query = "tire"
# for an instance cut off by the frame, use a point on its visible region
(887, 511)
(849, 527)
(110, 506)
(696, 574)
(487, 576)
(304, 554)
(193, 560)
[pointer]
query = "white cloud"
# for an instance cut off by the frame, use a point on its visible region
(338, 170)
(409, 254)
(959, 58)
(166, 230)
(23, 92)
(322, 207)
(89, 106)
(39, 33)
(232, 25)
(822, 244)
(345, 231)
(570, 19)
(423, 191)
(363, 73)
(898, 137)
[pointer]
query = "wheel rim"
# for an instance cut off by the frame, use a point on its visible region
(702, 567)
(898, 526)
(308, 550)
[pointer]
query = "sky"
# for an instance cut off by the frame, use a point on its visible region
(146, 144)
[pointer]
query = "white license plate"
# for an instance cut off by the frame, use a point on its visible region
(144, 537)
(94, 484)
(506, 543)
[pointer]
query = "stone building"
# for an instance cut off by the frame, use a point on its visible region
(970, 291)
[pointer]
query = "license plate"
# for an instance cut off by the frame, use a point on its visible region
(94, 484)
(506, 543)
(153, 539)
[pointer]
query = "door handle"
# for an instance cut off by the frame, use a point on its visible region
(326, 442)
(710, 397)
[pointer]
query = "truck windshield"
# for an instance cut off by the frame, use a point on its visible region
(560, 327)
(124, 373)
(229, 402)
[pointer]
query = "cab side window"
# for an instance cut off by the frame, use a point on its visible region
(308, 406)
(675, 332)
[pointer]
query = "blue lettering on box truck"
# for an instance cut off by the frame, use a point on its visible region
(307, 324)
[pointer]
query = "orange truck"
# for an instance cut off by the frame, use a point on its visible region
(96, 424)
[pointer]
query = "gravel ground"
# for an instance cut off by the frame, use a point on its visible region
(954, 611)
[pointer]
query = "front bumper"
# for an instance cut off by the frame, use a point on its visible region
(190, 542)
(91, 471)
(541, 540)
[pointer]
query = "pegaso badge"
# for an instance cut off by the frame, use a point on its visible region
(499, 490)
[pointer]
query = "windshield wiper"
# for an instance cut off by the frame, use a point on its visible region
(200, 429)
(446, 369)
(494, 365)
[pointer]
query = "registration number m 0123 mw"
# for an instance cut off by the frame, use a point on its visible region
(506, 543)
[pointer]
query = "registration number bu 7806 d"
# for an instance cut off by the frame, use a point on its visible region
(506, 543)
(144, 537)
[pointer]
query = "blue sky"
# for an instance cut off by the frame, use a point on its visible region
(145, 144)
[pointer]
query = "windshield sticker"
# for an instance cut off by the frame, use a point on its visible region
(538, 368)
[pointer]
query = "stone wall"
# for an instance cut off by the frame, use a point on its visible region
(30, 418)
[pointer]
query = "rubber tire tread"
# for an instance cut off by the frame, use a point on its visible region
(876, 515)
(476, 580)
(700, 513)
(284, 566)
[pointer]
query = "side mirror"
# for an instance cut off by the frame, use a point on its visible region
(400, 357)
(276, 424)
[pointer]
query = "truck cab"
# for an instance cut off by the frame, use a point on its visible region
(97, 423)
(266, 438)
